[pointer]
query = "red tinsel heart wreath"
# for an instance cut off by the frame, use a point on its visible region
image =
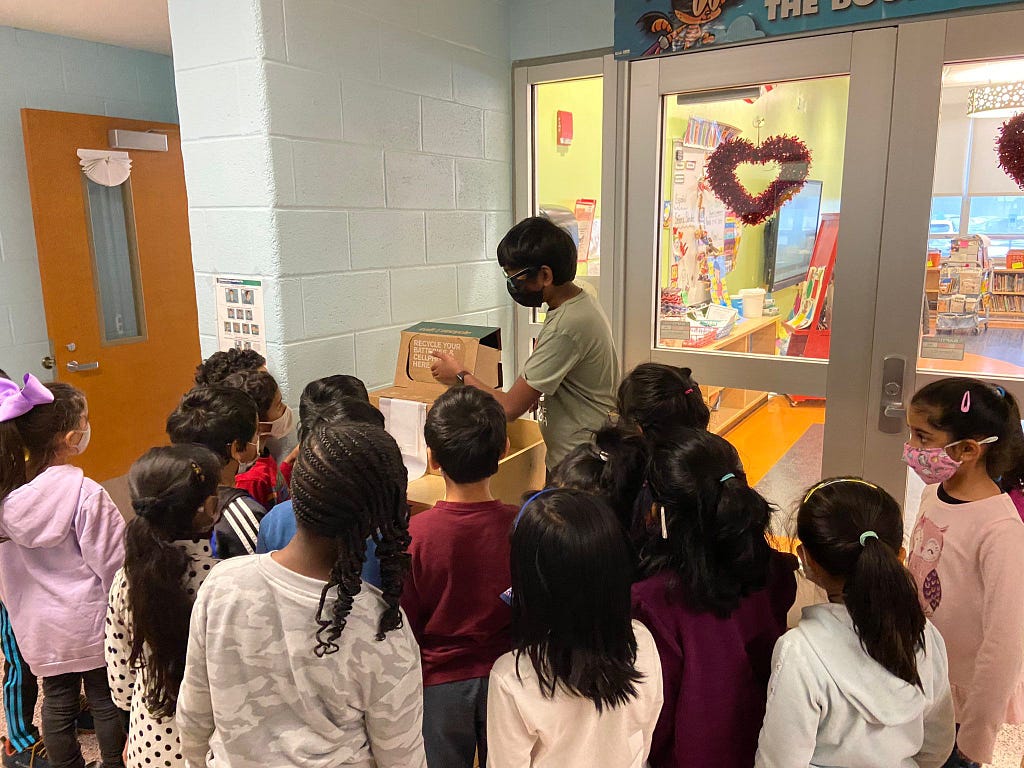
(1010, 146)
(790, 153)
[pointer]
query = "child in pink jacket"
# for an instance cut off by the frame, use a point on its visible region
(61, 542)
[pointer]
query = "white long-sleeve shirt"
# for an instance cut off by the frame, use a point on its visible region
(829, 703)
(527, 729)
(256, 695)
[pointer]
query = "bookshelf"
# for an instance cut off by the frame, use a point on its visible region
(1007, 294)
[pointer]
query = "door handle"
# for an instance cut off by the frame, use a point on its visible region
(895, 411)
(76, 367)
(892, 412)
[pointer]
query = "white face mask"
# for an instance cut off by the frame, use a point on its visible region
(245, 466)
(86, 433)
(283, 424)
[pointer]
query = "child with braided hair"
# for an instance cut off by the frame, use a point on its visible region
(292, 659)
(167, 558)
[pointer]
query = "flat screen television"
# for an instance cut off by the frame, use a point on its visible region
(789, 238)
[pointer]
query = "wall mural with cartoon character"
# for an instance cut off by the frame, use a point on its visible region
(686, 27)
(660, 27)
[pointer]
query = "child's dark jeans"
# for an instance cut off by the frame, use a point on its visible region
(60, 713)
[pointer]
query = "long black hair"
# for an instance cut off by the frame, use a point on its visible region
(612, 465)
(168, 486)
(656, 399)
(854, 530)
(349, 484)
(970, 409)
(716, 524)
(571, 579)
(30, 442)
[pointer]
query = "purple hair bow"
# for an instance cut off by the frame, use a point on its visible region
(15, 401)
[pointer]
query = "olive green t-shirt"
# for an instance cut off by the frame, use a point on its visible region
(575, 368)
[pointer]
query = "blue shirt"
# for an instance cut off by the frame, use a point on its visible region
(278, 528)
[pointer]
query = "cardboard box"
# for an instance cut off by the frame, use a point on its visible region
(478, 348)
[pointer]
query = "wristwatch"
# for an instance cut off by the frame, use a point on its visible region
(461, 376)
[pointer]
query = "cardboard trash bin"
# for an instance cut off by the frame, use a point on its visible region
(479, 350)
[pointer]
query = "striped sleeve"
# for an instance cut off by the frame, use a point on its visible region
(244, 523)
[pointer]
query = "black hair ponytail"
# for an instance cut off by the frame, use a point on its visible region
(1008, 459)
(854, 531)
(168, 487)
(657, 399)
(716, 523)
(613, 465)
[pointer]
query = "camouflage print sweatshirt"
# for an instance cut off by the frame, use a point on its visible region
(255, 694)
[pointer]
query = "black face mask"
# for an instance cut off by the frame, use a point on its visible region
(526, 298)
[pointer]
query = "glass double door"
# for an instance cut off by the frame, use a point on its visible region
(796, 215)
(566, 150)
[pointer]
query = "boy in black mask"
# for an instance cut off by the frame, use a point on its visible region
(574, 366)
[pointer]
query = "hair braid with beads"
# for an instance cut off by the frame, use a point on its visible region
(349, 484)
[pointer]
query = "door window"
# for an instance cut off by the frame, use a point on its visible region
(763, 288)
(115, 261)
(567, 164)
(972, 318)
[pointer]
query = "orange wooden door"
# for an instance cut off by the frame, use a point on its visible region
(147, 348)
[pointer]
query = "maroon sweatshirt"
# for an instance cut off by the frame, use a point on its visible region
(715, 671)
(452, 596)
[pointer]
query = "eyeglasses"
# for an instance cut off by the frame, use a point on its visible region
(511, 279)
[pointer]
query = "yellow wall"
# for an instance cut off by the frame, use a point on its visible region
(565, 174)
(814, 111)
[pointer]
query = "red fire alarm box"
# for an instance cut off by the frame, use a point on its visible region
(564, 128)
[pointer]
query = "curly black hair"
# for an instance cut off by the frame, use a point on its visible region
(220, 365)
(258, 384)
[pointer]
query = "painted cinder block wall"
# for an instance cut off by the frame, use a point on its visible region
(356, 156)
(42, 71)
(543, 28)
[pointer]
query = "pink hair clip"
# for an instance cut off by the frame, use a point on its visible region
(689, 391)
(965, 404)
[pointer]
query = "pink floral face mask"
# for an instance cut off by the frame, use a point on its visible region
(934, 465)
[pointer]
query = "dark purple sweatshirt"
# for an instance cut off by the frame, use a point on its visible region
(715, 670)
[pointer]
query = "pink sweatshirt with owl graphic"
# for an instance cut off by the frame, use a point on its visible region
(966, 559)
